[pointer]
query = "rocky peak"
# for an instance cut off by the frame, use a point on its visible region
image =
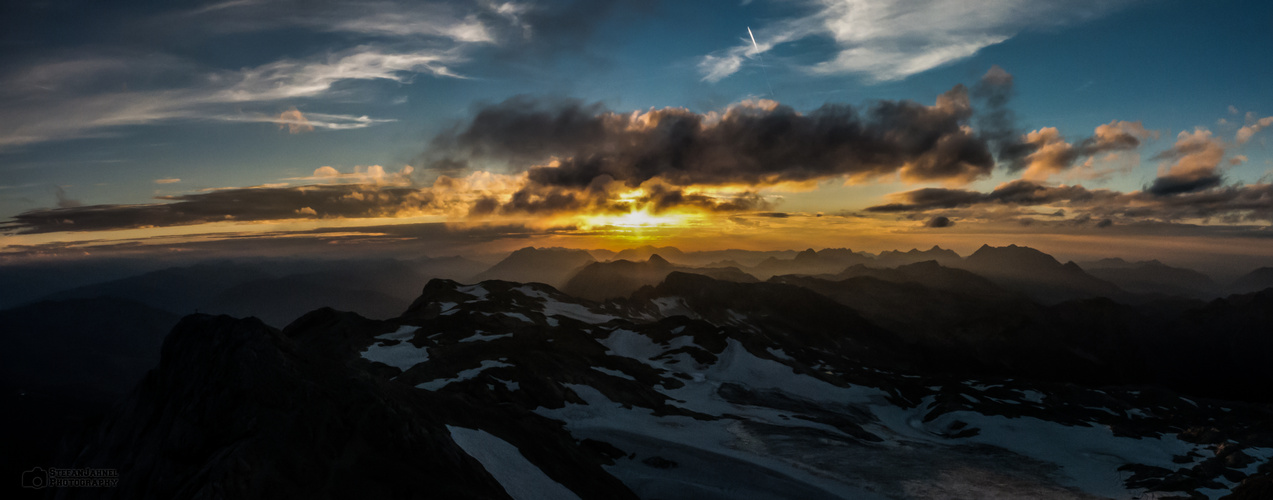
(656, 260)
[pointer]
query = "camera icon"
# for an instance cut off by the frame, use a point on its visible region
(35, 478)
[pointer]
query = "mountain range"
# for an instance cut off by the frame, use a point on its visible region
(1003, 374)
(695, 387)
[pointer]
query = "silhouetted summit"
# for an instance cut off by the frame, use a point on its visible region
(1036, 273)
(538, 265)
(615, 279)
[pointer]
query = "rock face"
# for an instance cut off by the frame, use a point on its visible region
(691, 388)
(239, 410)
(64, 363)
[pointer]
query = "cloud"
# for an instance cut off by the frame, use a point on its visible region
(884, 40)
(167, 181)
(1245, 133)
(64, 201)
(996, 121)
(1049, 153)
(1017, 199)
(422, 20)
(239, 205)
(371, 192)
(569, 144)
(73, 112)
(373, 175)
(294, 122)
(307, 122)
(400, 240)
(1019, 192)
(294, 78)
(504, 29)
(367, 192)
(452, 22)
(939, 221)
(1197, 158)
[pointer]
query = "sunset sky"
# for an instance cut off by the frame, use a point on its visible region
(1112, 127)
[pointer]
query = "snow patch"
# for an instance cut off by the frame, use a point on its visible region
(520, 478)
(575, 311)
(518, 316)
(436, 384)
(476, 291)
(613, 373)
(402, 355)
(478, 336)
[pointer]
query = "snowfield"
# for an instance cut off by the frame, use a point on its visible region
(402, 355)
(741, 422)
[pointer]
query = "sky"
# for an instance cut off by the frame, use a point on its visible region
(1131, 128)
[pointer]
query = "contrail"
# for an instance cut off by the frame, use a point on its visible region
(762, 63)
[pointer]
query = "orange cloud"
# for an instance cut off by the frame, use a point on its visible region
(167, 181)
(294, 122)
(1245, 133)
(1051, 154)
(371, 174)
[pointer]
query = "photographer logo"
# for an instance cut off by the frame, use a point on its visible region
(85, 477)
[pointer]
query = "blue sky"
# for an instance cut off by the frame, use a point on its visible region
(116, 103)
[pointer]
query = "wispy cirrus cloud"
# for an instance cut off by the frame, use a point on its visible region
(884, 40)
(66, 111)
(296, 122)
(101, 88)
(462, 22)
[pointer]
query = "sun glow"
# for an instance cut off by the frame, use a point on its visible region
(635, 219)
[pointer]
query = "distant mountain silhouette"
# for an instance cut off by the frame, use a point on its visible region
(278, 301)
(1258, 279)
(894, 258)
(278, 292)
(27, 282)
(928, 273)
(607, 280)
(672, 254)
(923, 302)
(453, 267)
(1151, 277)
(725, 263)
(1037, 274)
(553, 266)
(809, 262)
(179, 289)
